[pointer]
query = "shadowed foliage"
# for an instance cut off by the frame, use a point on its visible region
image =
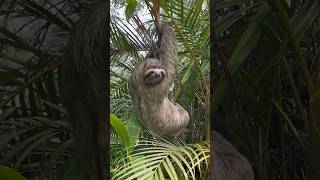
(265, 81)
(36, 137)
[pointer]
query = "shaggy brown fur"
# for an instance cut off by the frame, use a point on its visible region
(150, 86)
(83, 85)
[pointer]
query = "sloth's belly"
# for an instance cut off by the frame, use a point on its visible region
(165, 118)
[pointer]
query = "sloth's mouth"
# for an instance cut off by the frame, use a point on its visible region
(153, 76)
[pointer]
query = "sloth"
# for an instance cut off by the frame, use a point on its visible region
(228, 163)
(150, 85)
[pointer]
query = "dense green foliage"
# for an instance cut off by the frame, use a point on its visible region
(35, 136)
(145, 155)
(266, 84)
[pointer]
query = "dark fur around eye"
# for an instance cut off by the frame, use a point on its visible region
(153, 78)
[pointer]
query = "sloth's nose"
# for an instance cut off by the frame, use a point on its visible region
(156, 74)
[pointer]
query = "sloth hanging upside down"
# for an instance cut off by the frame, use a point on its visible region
(150, 84)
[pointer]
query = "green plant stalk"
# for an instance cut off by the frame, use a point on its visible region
(288, 121)
(29, 82)
(276, 6)
(296, 95)
(183, 81)
(282, 133)
(193, 56)
(283, 153)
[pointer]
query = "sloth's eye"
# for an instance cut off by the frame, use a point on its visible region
(153, 78)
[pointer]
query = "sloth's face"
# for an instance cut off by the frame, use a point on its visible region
(153, 73)
(153, 76)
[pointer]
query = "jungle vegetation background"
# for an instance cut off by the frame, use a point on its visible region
(266, 98)
(266, 102)
(35, 135)
(133, 33)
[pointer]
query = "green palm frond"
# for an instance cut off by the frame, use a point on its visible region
(25, 140)
(35, 136)
(154, 159)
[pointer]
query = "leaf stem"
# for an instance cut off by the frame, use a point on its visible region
(277, 7)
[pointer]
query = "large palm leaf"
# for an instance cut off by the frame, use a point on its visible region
(36, 138)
